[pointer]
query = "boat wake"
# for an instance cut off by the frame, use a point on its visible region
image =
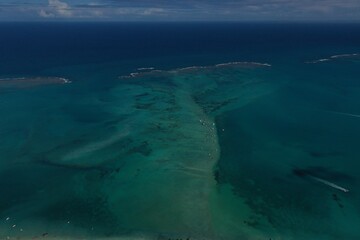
(308, 173)
(330, 184)
(345, 114)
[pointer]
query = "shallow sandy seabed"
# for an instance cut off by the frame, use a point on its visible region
(171, 188)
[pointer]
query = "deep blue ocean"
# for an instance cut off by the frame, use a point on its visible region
(180, 131)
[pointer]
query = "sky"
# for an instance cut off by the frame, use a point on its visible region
(180, 10)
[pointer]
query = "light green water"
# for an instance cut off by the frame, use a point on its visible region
(135, 157)
(199, 153)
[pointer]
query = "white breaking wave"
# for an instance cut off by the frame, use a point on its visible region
(134, 74)
(320, 60)
(345, 55)
(191, 68)
(9, 79)
(330, 184)
(142, 73)
(334, 57)
(145, 68)
(64, 80)
(243, 63)
(152, 70)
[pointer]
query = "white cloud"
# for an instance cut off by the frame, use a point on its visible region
(137, 11)
(56, 8)
(97, 13)
(152, 11)
(125, 11)
(45, 14)
(62, 8)
(200, 9)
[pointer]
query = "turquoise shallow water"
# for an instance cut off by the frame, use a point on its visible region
(274, 147)
(246, 150)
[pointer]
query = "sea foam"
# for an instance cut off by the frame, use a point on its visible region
(152, 70)
(335, 57)
(24, 82)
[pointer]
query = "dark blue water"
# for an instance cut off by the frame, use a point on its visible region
(28, 45)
